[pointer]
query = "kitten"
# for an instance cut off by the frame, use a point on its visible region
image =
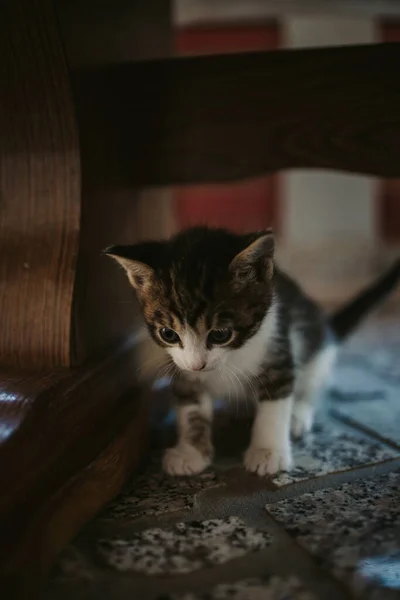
(232, 323)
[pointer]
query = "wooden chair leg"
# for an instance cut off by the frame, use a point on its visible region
(73, 420)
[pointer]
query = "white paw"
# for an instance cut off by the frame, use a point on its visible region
(184, 460)
(265, 461)
(302, 420)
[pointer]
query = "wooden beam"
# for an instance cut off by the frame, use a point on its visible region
(219, 118)
(69, 440)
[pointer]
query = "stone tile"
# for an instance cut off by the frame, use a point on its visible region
(354, 382)
(366, 385)
(375, 348)
(274, 588)
(154, 493)
(381, 362)
(380, 416)
(329, 449)
(353, 530)
(184, 548)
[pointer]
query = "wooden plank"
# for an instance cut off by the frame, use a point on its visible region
(76, 437)
(220, 118)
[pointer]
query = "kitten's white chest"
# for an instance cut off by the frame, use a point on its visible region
(220, 384)
(235, 377)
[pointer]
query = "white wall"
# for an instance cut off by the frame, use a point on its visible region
(192, 12)
(329, 225)
(321, 205)
(327, 30)
(330, 236)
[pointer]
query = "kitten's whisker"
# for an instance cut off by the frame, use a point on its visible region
(149, 363)
(262, 385)
(256, 393)
(253, 390)
(163, 369)
(166, 370)
(223, 373)
(251, 385)
(237, 390)
(232, 381)
(269, 376)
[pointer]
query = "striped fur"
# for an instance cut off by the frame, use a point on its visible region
(278, 349)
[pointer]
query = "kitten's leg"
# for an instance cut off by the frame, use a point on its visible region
(193, 452)
(310, 381)
(270, 450)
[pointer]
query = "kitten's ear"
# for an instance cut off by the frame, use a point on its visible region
(135, 262)
(256, 261)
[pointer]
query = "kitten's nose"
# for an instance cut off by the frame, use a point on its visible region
(198, 367)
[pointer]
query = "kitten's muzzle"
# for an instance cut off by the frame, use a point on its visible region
(198, 367)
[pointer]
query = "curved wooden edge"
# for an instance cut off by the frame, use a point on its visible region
(76, 503)
(220, 118)
(82, 435)
(40, 183)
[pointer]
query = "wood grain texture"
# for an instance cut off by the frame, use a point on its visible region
(96, 35)
(76, 437)
(62, 199)
(39, 187)
(69, 438)
(220, 118)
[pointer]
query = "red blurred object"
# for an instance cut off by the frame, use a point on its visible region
(221, 39)
(389, 191)
(243, 206)
(250, 204)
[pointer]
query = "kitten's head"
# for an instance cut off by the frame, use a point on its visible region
(204, 293)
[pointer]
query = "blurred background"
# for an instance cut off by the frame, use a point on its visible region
(335, 231)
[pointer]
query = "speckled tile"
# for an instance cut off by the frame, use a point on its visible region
(184, 548)
(274, 588)
(329, 449)
(353, 530)
(154, 493)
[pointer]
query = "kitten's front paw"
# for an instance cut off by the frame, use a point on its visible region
(263, 461)
(302, 420)
(184, 460)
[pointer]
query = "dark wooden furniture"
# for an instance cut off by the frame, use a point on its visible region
(83, 125)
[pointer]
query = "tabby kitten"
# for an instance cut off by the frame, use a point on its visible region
(233, 323)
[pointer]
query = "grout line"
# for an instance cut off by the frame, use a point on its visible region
(336, 414)
(330, 480)
(225, 501)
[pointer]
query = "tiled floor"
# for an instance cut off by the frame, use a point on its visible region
(330, 529)
(353, 530)
(273, 588)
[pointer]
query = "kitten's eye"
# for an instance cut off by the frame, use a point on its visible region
(220, 336)
(169, 335)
